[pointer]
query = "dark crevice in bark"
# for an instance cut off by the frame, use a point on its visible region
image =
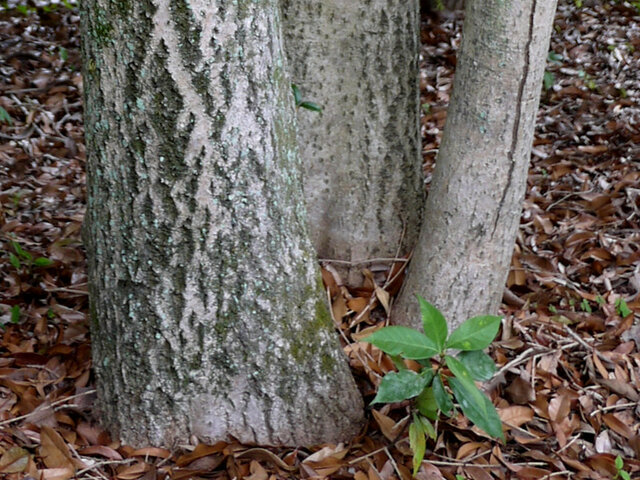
(516, 124)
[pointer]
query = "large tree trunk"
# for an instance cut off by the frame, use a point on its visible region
(206, 309)
(474, 204)
(363, 178)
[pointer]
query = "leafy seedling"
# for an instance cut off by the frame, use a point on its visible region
(306, 104)
(432, 390)
(621, 474)
(585, 306)
(22, 257)
(622, 308)
(5, 117)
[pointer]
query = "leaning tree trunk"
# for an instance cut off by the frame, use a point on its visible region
(473, 208)
(363, 177)
(206, 309)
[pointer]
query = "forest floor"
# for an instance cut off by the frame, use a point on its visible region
(568, 355)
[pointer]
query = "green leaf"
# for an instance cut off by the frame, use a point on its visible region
(15, 261)
(426, 403)
(418, 444)
(463, 375)
(475, 334)
(554, 57)
(434, 324)
(398, 386)
(5, 117)
(398, 340)
(482, 412)
(15, 314)
(314, 107)
(427, 427)
(479, 364)
(548, 80)
(443, 399)
(624, 475)
(296, 94)
(64, 55)
(42, 262)
(21, 252)
(622, 308)
(619, 463)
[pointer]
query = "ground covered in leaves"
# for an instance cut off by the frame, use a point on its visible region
(568, 355)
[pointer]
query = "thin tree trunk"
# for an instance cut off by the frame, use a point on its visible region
(207, 315)
(473, 209)
(363, 177)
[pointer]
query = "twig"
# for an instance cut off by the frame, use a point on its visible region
(106, 462)
(393, 462)
(54, 404)
(614, 407)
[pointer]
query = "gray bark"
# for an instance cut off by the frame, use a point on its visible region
(363, 178)
(207, 315)
(474, 204)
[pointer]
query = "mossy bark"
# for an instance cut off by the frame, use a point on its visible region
(474, 204)
(363, 177)
(207, 315)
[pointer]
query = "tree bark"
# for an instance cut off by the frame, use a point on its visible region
(363, 177)
(207, 315)
(474, 204)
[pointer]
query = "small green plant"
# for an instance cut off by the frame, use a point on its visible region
(300, 103)
(548, 80)
(428, 386)
(22, 257)
(5, 117)
(588, 80)
(15, 314)
(622, 308)
(620, 472)
(585, 306)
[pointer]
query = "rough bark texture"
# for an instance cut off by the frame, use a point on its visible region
(474, 204)
(206, 312)
(363, 178)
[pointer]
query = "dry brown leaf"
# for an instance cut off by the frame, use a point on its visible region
(330, 451)
(515, 416)
(520, 391)
(559, 407)
(257, 472)
(134, 471)
(14, 460)
(56, 473)
(54, 451)
(383, 298)
(200, 451)
(357, 304)
(339, 308)
(265, 455)
(101, 450)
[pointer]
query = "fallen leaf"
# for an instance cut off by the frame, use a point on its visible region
(14, 460)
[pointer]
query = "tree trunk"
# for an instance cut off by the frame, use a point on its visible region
(474, 204)
(363, 177)
(206, 309)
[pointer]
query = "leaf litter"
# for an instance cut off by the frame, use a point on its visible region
(568, 359)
